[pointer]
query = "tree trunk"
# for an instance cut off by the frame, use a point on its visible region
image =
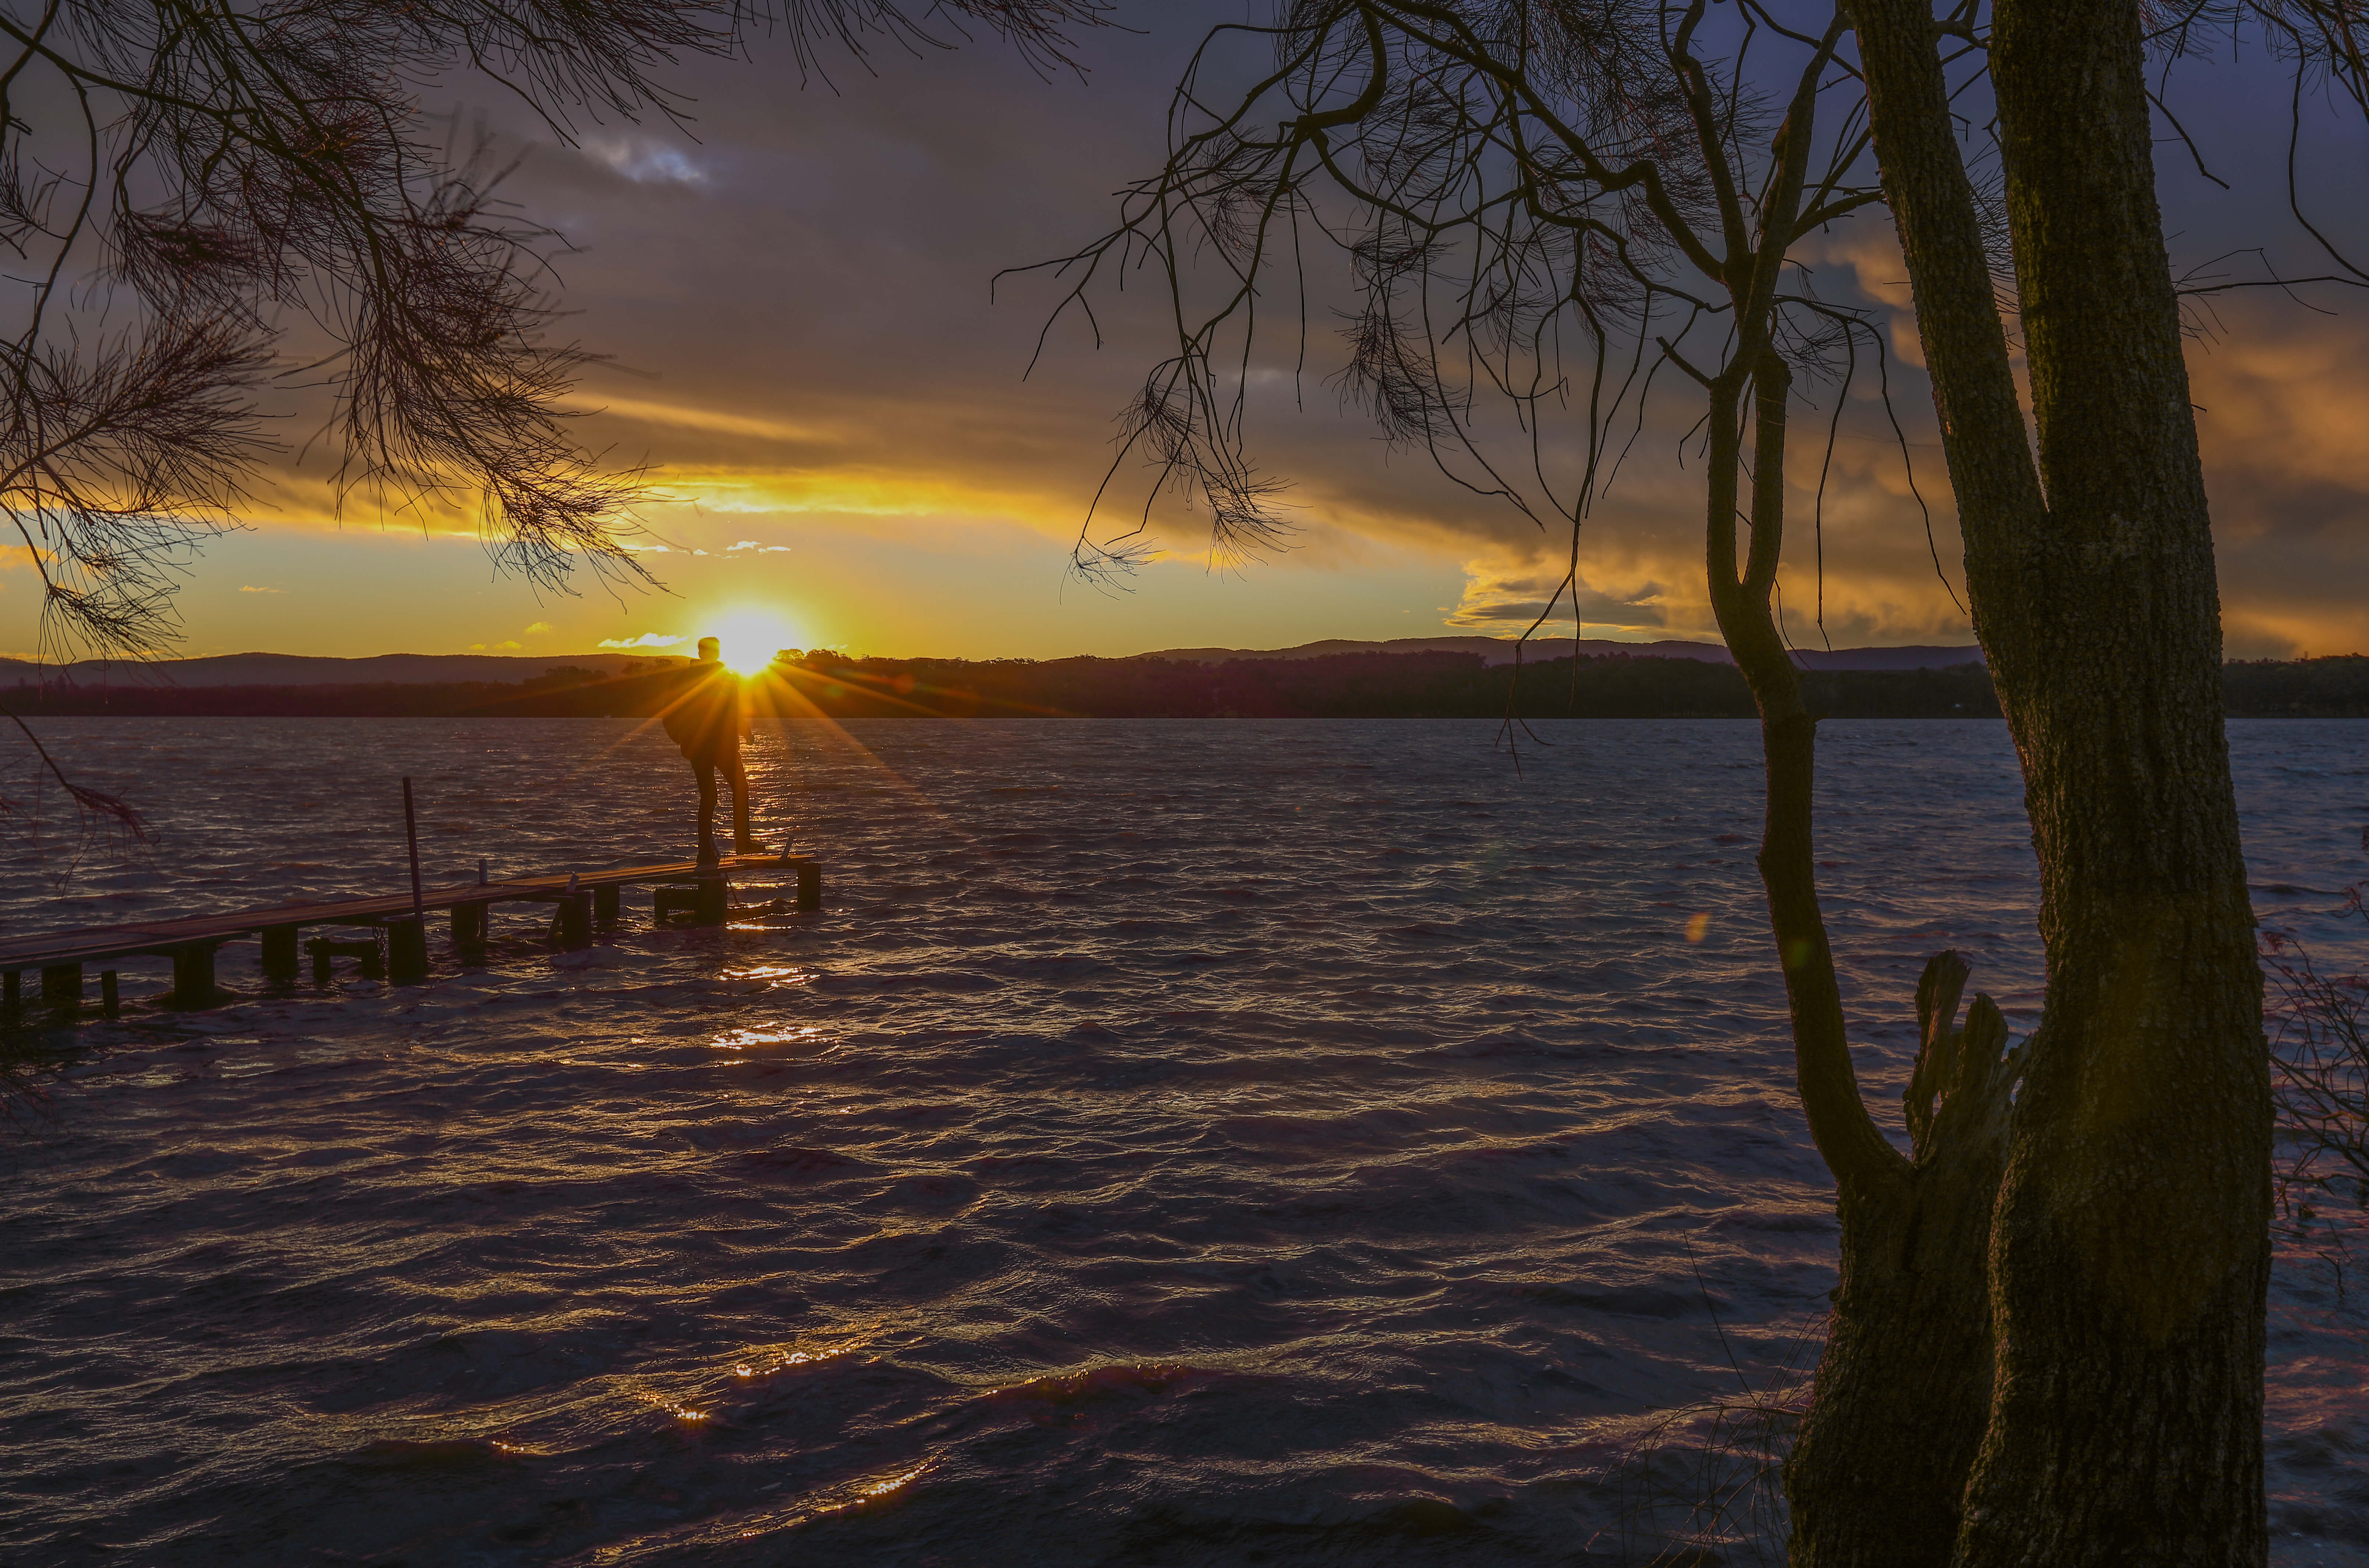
(1902, 1387)
(1897, 1414)
(2129, 1249)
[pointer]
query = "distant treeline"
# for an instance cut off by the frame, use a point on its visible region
(1354, 685)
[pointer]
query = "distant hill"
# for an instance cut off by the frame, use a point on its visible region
(247, 670)
(1434, 684)
(1500, 650)
(298, 669)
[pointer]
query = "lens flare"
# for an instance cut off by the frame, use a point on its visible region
(751, 634)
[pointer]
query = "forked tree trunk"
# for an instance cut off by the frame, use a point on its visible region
(2129, 1250)
(1904, 1384)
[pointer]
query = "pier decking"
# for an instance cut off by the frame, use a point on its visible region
(581, 901)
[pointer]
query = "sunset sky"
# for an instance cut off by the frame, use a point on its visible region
(806, 351)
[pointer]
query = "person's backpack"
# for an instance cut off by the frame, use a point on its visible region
(697, 709)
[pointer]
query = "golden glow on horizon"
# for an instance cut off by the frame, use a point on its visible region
(751, 634)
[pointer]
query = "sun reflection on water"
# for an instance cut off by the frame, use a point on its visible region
(802, 1040)
(775, 977)
(882, 1488)
(680, 1412)
(784, 1362)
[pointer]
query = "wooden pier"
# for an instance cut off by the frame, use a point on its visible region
(581, 902)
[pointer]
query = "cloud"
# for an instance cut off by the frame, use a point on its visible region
(537, 629)
(647, 161)
(1491, 597)
(248, 587)
(691, 419)
(761, 549)
(647, 639)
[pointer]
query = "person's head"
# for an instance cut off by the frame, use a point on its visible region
(710, 650)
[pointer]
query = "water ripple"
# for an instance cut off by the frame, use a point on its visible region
(1175, 1143)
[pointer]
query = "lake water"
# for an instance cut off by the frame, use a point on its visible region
(1175, 1142)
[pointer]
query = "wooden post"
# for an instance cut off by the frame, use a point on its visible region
(810, 885)
(279, 953)
(406, 951)
(469, 925)
(193, 975)
(604, 904)
(411, 841)
(109, 996)
(14, 995)
(61, 985)
(575, 919)
(715, 905)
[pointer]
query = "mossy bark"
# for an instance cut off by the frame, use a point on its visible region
(2128, 1252)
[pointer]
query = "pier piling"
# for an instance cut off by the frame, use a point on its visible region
(279, 953)
(326, 950)
(406, 951)
(575, 919)
(385, 922)
(714, 905)
(193, 975)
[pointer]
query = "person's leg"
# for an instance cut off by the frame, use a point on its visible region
(705, 770)
(742, 840)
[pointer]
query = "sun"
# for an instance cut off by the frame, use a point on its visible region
(751, 634)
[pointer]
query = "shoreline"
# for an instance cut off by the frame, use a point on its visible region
(1402, 685)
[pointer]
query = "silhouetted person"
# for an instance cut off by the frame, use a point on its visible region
(708, 719)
